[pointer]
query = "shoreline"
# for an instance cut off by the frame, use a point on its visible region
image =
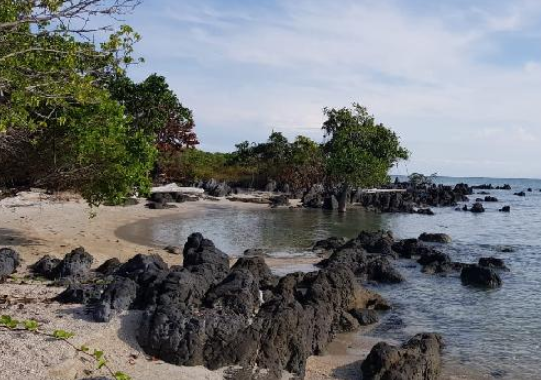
(57, 226)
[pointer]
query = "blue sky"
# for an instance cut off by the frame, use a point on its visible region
(459, 81)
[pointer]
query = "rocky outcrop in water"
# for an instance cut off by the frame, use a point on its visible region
(480, 276)
(435, 238)
(417, 359)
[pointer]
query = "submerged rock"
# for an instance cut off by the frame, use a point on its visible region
(477, 208)
(505, 209)
(479, 276)
(329, 244)
(493, 263)
(435, 237)
(418, 359)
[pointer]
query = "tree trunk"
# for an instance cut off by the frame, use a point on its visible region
(343, 198)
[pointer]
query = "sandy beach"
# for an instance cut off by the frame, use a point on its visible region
(35, 225)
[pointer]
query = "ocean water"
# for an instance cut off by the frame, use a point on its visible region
(495, 332)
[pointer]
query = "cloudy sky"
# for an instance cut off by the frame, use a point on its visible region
(458, 80)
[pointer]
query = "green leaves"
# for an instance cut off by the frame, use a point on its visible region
(62, 334)
(359, 151)
(7, 321)
(121, 376)
(31, 325)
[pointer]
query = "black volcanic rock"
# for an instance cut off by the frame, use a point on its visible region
(480, 276)
(418, 359)
(9, 261)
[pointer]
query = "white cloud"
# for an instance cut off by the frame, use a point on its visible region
(424, 74)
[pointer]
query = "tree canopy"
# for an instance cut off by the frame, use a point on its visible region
(359, 152)
(69, 117)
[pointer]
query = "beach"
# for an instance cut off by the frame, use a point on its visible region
(35, 225)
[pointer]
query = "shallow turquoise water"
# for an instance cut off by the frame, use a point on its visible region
(498, 332)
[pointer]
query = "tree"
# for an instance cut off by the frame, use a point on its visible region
(154, 108)
(52, 94)
(359, 152)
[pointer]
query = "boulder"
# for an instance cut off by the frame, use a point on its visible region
(259, 269)
(109, 266)
(477, 208)
(409, 248)
(491, 199)
(329, 244)
(118, 296)
(74, 266)
(505, 209)
(418, 359)
(365, 317)
(476, 275)
(9, 261)
(81, 294)
(435, 237)
(433, 256)
(45, 267)
(493, 263)
(520, 194)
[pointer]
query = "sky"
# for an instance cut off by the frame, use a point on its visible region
(459, 81)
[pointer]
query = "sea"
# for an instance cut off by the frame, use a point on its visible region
(496, 333)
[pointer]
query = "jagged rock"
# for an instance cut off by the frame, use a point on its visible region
(81, 294)
(477, 208)
(376, 242)
(433, 256)
(259, 269)
(45, 266)
(365, 317)
(9, 261)
(435, 237)
(479, 276)
(367, 267)
(143, 269)
(418, 359)
(238, 293)
(232, 328)
(409, 248)
(74, 266)
(329, 244)
(118, 296)
(493, 263)
(109, 266)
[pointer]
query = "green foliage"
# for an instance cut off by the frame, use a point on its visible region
(31, 325)
(359, 151)
(121, 376)
(154, 109)
(63, 128)
(62, 334)
(9, 322)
